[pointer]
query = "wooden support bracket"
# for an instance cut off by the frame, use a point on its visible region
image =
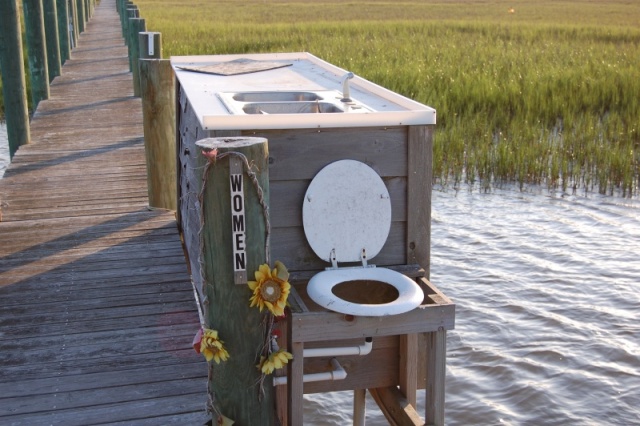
(395, 407)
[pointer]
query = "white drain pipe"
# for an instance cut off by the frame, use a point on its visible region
(364, 349)
(338, 373)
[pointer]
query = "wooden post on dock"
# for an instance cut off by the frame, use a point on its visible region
(63, 30)
(130, 12)
(52, 38)
(157, 88)
(136, 26)
(73, 15)
(13, 82)
(81, 15)
(36, 48)
(235, 384)
(124, 4)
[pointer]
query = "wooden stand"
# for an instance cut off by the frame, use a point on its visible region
(409, 350)
(409, 353)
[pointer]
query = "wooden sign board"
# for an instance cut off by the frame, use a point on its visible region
(239, 237)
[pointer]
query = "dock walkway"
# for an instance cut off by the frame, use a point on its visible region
(96, 306)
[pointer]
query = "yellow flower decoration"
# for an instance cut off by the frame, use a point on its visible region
(271, 288)
(213, 348)
(276, 360)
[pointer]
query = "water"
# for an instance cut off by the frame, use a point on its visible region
(547, 288)
(4, 148)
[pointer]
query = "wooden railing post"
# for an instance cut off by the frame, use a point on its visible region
(52, 39)
(124, 4)
(13, 82)
(130, 12)
(63, 30)
(235, 384)
(81, 15)
(36, 49)
(137, 25)
(157, 88)
(73, 13)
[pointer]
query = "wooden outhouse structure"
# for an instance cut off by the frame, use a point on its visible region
(391, 134)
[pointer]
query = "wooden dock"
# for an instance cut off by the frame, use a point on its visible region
(97, 311)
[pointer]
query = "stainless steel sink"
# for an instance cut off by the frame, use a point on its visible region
(290, 108)
(276, 96)
(290, 102)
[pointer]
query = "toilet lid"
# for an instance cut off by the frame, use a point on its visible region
(347, 208)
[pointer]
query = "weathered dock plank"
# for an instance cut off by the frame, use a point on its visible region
(96, 305)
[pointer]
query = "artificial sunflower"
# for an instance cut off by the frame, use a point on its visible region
(271, 288)
(275, 360)
(212, 347)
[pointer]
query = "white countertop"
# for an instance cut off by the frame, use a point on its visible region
(307, 73)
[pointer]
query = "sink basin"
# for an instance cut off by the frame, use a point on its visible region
(290, 108)
(276, 96)
(289, 102)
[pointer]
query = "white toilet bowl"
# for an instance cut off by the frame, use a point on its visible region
(347, 217)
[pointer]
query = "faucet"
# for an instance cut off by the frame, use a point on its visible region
(346, 96)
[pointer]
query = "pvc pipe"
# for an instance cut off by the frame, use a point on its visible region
(364, 349)
(338, 373)
(359, 407)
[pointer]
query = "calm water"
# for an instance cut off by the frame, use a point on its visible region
(547, 288)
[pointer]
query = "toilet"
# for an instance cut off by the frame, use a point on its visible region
(346, 216)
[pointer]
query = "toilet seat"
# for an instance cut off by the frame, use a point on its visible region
(320, 290)
(346, 216)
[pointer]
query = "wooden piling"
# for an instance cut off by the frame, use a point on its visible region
(62, 8)
(124, 4)
(136, 25)
(36, 48)
(235, 384)
(13, 81)
(73, 15)
(81, 15)
(130, 12)
(157, 84)
(54, 67)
